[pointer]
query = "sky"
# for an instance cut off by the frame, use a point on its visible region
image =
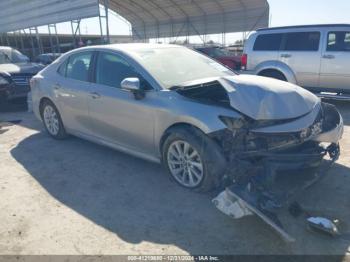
(282, 13)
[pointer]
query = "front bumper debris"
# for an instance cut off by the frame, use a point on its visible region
(266, 189)
(268, 167)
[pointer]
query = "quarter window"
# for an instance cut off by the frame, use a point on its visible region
(268, 42)
(78, 66)
(62, 69)
(302, 41)
(338, 41)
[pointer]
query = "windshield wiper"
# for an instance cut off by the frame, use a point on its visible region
(174, 88)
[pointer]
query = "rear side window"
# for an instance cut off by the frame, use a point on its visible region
(338, 42)
(78, 66)
(268, 42)
(302, 41)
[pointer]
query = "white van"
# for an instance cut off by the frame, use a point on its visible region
(316, 57)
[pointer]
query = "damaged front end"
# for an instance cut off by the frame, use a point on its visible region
(268, 166)
(283, 141)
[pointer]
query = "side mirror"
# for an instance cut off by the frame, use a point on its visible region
(133, 85)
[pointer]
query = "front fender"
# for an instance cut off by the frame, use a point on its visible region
(202, 116)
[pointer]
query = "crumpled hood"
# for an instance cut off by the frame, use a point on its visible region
(263, 98)
(26, 68)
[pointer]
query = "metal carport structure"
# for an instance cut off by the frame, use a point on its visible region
(173, 18)
(148, 18)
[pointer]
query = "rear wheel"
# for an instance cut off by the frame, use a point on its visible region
(193, 160)
(52, 120)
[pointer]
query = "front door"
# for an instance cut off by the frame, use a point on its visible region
(335, 66)
(116, 116)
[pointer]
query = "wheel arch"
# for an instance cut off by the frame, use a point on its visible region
(42, 101)
(279, 67)
(174, 126)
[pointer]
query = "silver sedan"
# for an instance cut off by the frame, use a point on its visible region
(170, 104)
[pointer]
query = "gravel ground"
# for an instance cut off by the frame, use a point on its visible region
(75, 197)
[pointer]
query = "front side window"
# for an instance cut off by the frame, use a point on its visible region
(338, 42)
(78, 66)
(112, 69)
(302, 41)
(268, 42)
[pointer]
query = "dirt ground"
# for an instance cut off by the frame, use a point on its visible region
(75, 197)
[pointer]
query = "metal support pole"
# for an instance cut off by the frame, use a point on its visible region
(50, 39)
(21, 40)
(58, 46)
(74, 39)
(101, 30)
(32, 42)
(38, 40)
(15, 38)
(106, 6)
(7, 40)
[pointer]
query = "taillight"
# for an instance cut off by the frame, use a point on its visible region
(33, 82)
(244, 61)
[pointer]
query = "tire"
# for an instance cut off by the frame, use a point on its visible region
(52, 120)
(210, 157)
(273, 74)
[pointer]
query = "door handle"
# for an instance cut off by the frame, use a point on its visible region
(328, 56)
(95, 95)
(286, 55)
(56, 86)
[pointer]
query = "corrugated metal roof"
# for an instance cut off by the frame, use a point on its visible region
(171, 18)
(22, 14)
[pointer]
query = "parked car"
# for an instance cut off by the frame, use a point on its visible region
(15, 73)
(316, 57)
(47, 59)
(223, 56)
(173, 105)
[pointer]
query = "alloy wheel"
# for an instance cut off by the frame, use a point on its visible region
(51, 120)
(185, 164)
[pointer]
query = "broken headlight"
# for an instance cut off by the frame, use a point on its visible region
(233, 124)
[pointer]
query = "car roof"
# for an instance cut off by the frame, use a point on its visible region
(303, 26)
(124, 48)
(137, 46)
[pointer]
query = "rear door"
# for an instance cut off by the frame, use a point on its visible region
(335, 66)
(301, 52)
(72, 88)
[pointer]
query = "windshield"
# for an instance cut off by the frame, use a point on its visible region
(12, 56)
(173, 66)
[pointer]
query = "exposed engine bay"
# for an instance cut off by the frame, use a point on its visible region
(279, 146)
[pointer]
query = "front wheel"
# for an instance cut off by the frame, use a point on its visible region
(52, 120)
(193, 160)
